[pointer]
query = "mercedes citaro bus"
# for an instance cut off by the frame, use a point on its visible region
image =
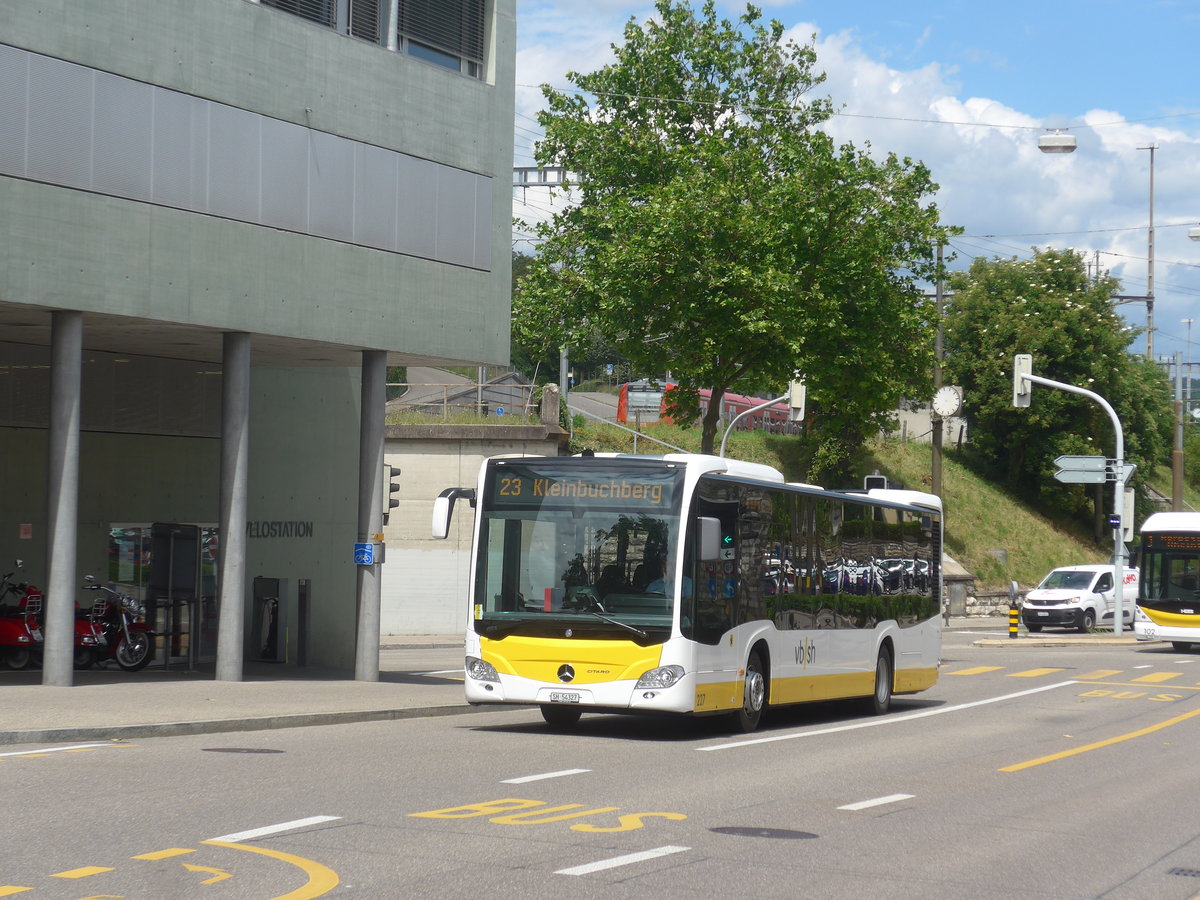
(693, 584)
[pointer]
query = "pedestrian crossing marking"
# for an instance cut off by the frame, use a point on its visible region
(1033, 673)
(978, 670)
(1099, 673)
(1157, 677)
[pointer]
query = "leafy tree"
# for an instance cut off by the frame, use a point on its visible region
(1048, 307)
(722, 236)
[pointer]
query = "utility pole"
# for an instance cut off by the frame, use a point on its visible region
(935, 418)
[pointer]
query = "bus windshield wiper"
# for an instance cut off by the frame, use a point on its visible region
(602, 617)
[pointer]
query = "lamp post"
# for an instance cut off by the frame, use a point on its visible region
(1057, 141)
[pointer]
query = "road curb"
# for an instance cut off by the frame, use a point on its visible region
(1064, 641)
(221, 726)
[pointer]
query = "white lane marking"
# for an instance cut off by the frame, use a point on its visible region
(54, 749)
(878, 801)
(528, 778)
(890, 720)
(1151, 666)
(457, 671)
(273, 829)
(625, 860)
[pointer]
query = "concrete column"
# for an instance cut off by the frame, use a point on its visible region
(231, 546)
(370, 509)
(62, 483)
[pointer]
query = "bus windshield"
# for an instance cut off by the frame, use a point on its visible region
(576, 550)
(1170, 569)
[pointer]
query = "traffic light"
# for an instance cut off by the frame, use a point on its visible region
(390, 473)
(1022, 388)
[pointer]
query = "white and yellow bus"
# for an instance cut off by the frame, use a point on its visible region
(693, 584)
(1168, 602)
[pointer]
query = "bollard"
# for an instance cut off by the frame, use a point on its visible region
(1014, 615)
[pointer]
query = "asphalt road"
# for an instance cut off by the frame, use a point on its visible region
(1025, 772)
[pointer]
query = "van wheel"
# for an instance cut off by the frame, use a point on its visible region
(881, 699)
(754, 695)
(558, 716)
(1087, 620)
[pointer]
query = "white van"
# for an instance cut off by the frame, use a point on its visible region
(1079, 597)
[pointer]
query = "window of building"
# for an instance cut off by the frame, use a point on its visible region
(448, 33)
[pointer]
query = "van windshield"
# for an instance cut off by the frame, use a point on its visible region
(1072, 581)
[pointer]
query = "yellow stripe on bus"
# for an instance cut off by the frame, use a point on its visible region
(594, 662)
(1172, 620)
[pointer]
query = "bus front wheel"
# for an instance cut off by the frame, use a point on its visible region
(754, 695)
(561, 716)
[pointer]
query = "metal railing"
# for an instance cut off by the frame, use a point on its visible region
(443, 401)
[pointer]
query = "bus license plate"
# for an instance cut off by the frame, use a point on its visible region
(564, 697)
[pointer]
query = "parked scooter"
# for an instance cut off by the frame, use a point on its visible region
(122, 622)
(20, 628)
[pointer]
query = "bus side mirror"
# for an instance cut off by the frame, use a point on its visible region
(443, 509)
(708, 537)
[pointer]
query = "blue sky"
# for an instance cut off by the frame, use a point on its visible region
(967, 87)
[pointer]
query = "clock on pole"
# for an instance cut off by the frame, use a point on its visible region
(948, 401)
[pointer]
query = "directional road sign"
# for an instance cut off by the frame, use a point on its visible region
(1077, 476)
(1082, 463)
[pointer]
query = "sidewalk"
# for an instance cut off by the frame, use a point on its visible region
(418, 676)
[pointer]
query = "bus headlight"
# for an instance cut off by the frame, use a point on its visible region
(480, 670)
(662, 677)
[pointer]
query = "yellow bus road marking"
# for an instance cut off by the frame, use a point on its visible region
(1054, 757)
(978, 670)
(7, 890)
(1033, 673)
(1157, 677)
(83, 872)
(1100, 673)
(1129, 684)
(218, 874)
(321, 879)
(164, 854)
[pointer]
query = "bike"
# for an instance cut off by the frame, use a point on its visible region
(20, 627)
(121, 621)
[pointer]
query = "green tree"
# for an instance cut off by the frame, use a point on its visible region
(1047, 306)
(722, 236)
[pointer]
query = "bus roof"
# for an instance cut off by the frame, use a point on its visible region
(1172, 521)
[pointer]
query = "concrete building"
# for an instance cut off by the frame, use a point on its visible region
(222, 221)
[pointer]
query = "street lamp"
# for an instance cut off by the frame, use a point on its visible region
(1058, 141)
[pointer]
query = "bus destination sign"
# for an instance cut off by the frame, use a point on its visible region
(525, 487)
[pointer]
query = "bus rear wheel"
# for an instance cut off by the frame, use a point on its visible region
(561, 716)
(1181, 646)
(754, 695)
(881, 699)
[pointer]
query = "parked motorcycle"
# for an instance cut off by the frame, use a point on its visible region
(121, 621)
(20, 622)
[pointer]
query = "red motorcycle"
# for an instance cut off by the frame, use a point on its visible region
(20, 622)
(121, 623)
